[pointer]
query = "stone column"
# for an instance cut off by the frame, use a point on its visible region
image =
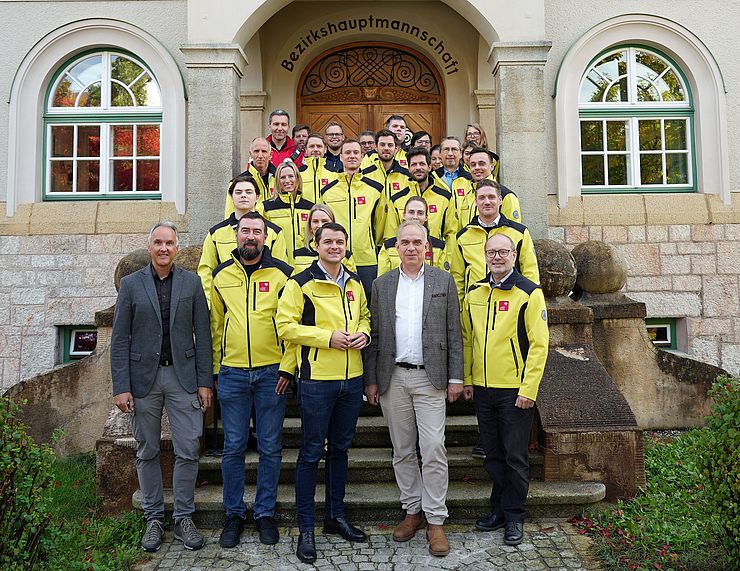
(485, 103)
(521, 142)
(214, 74)
(253, 120)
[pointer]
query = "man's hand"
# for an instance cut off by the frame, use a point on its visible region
(357, 341)
(468, 393)
(340, 340)
(523, 402)
(282, 385)
(454, 390)
(371, 392)
(205, 396)
(124, 402)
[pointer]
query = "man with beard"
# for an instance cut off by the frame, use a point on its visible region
(385, 169)
(283, 147)
(260, 168)
(252, 367)
(482, 165)
(441, 218)
(300, 137)
(334, 136)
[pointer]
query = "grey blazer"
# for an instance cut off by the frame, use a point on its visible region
(442, 340)
(137, 333)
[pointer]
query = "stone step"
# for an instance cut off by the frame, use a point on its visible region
(365, 465)
(378, 503)
(372, 432)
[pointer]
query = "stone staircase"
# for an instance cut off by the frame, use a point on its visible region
(372, 494)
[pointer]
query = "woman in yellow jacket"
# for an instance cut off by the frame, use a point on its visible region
(319, 215)
(436, 255)
(287, 208)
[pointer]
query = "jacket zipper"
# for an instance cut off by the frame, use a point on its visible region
(346, 328)
(249, 345)
(274, 327)
(223, 341)
(485, 341)
(513, 354)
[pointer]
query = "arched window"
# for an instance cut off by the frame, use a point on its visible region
(102, 124)
(636, 124)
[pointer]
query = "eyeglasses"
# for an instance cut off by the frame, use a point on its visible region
(501, 253)
(332, 135)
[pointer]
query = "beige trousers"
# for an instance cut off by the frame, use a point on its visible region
(413, 406)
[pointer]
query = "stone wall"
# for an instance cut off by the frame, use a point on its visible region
(684, 260)
(56, 268)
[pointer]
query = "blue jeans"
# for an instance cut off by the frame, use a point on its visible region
(237, 390)
(504, 435)
(329, 410)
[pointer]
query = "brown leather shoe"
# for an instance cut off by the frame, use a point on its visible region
(438, 544)
(407, 528)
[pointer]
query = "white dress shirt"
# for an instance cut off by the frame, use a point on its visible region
(409, 315)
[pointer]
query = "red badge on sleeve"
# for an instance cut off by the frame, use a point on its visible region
(402, 162)
(432, 208)
(304, 216)
(324, 181)
(461, 192)
(428, 255)
(503, 306)
(264, 286)
(360, 200)
(396, 186)
(350, 296)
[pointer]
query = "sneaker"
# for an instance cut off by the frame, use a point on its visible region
(478, 452)
(268, 531)
(186, 532)
(152, 539)
(233, 528)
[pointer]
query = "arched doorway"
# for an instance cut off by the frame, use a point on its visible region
(359, 85)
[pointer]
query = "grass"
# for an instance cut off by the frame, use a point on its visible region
(80, 538)
(670, 524)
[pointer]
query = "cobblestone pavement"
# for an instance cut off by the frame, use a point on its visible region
(548, 544)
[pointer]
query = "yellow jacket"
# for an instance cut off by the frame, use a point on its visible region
(311, 309)
(505, 335)
(441, 216)
(393, 180)
(304, 257)
(221, 241)
(388, 258)
(315, 175)
(358, 205)
(461, 186)
(468, 259)
(243, 309)
(291, 215)
(265, 183)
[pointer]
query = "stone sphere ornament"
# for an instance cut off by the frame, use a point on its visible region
(601, 267)
(188, 258)
(130, 263)
(557, 268)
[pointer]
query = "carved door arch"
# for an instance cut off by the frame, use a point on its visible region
(359, 85)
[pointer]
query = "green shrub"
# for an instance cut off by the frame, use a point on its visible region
(25, 472)
(720, 460)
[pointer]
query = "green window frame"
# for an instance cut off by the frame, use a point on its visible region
(76, 341)
(102, 129)
(636, 124)
(662, 332)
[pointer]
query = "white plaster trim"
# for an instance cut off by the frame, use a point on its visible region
(699, 67)
(26, 101)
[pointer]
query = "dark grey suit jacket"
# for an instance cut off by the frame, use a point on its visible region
(441, 339)
(137, 333)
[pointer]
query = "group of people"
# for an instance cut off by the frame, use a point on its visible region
(349, 270)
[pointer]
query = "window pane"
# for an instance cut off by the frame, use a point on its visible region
(123, 140)
(670, 87)
(147, 175)
(123, 175)
(88, 176)
(616, 135)
(61, 176)
(124, 70)
(675, 134)
(593, 170)
(597, 80)
(119, 96)
(650, 135)
(66, 93)
(89, 70)
(62, 140)
(649, 65)
(147, 140)
(651, 169)
(592, 137)
(618, 92)
(90, 97)
(677, 168)
(146, 92)
(88, 141)
(646, 91)
(617, 169)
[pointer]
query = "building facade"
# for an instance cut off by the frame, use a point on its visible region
(613, 121)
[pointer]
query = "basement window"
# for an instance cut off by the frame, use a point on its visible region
(662, 332)
(77, 341)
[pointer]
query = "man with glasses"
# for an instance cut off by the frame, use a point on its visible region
(367, 142)
(453, 173)
(505, 341)
(334, 136)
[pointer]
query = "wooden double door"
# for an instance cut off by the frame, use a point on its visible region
(359, 86)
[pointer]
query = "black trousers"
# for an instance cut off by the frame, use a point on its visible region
(504, 435)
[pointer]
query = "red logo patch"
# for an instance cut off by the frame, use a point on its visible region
(461, 192)
(428, 255)
(503, 306)
(402, 162)
(432, 208)
(396, 186)
(350, 296)
(324, 181)
(360, 200)
(304, 216)
(264, 286)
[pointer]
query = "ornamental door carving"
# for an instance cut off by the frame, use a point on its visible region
(360, 85)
